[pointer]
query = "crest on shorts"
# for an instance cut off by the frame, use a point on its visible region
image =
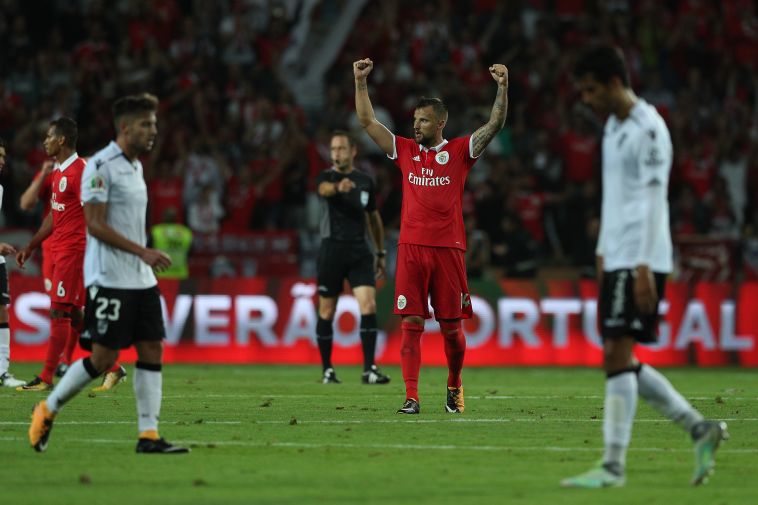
(401, 302)
(62, 184)
(102, 326)
(364, 198)
(442, 157)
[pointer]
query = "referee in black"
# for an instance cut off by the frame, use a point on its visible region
(348, 207)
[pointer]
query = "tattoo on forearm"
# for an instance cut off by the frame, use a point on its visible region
(361, 86)
(486, 133)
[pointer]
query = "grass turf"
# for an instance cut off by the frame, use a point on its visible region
(263, 434)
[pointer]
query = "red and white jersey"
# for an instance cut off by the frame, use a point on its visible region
(69, 227)
(433, 182)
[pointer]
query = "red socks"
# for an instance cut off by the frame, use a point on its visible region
(455, 350)
(59, 334)
(73, 339)
(410, 357)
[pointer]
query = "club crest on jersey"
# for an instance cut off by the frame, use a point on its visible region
(364, 198)
(401, 302)
(442, 157)
(62, 184)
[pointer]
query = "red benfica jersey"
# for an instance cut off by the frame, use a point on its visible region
(69, 228)
(433, 180)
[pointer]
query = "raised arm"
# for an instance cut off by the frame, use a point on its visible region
(482, 137)
(376, 130)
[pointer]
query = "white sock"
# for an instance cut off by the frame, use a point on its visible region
(658, 392)
(5, 349)
(148, 388)
(73, 381)
(620, 407)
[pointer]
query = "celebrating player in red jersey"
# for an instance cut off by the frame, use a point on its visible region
(430, 256)
(67, 231)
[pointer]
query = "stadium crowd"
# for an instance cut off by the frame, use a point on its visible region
(250, 90)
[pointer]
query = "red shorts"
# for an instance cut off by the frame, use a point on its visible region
(47, 266)
(438, 273)
(68, 279)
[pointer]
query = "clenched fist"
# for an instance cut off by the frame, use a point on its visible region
(362, 68)
(499, 72)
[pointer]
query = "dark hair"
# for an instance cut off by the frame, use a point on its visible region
(66, 127)
(134, 104)
(346, 134)
(439, 107)
(602, 62)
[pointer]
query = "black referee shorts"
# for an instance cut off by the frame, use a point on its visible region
(338, 261)
(618, 312)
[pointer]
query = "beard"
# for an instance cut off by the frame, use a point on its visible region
(421, 139)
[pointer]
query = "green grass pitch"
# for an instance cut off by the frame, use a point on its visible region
(274, 434)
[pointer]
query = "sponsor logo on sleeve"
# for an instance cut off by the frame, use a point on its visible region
(97, 184)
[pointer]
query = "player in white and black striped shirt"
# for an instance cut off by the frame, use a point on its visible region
(634, 255)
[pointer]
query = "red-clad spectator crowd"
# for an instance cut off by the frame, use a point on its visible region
(241, 138)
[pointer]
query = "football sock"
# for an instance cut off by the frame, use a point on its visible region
(59, 335)
(73, 339)
(410, 357)
(658, 392)
(324, 335)
(150, 434)
(368, 339)
(455, 349)
(79, 374)
(620, 407)
(5, 347)
(148, 389)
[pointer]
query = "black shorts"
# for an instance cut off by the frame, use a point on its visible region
(618, 312)
(5, 294)
(116, 318)
(338, 261)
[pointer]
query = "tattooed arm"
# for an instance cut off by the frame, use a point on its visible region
(376, 130)
(486, 133)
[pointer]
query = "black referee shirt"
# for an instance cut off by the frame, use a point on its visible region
(342, 216)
